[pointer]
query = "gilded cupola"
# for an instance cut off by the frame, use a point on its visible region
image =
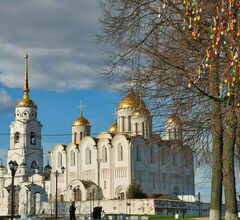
(26, 101)
(81, 121)
(173, 127)
(131, 101)
(173, 119)
(113, 128)
(80, 128)
(141, 112)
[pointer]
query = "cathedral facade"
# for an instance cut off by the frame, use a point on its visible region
(95, 168)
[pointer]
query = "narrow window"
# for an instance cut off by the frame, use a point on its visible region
(16, 137)
(59, 160)
(105, 184)
(138, 153)
(75, 137)
(88, 156)
(136, 128)
(120, 152)
(104, 154)
(34, 165)
(81, 135)
(33, 138)
(143, 129)
(129, 123)
(73, 158)
(123, 125)
(151, 155)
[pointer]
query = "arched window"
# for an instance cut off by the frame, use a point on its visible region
(72, 158)
(81, 135)
(138, 153)
(75, 137)
(104, 154)
(123, 125)
(120, 152)
(33, 138)
(151, 155)
(61, 198)
(88, 156)
(136, 128)
(16, 137)
(129, 123)
(143, 129)
(34, 165)
(59, 160)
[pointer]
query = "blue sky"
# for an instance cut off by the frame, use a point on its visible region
(65, 68)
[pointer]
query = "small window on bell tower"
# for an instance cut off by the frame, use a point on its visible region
(16, 137)
(33, 138)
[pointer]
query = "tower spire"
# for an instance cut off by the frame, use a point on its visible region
(26, 90)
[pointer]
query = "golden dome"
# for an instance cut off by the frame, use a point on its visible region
(173, 119)
(142, 111)
(113, 128)
(131, 101)
(26, 102)
(81, 121)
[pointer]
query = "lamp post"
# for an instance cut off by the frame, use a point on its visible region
(56, 195)
(98, 174)
(93, 194)
(13, 167)
(90, 203)
(199, 204)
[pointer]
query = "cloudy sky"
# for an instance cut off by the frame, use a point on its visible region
(65, 63)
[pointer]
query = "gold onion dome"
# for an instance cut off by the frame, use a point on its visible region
(131, 101)
(26, 101)
(173, 119)
(141, 111)
(81, 121)
(113, 128)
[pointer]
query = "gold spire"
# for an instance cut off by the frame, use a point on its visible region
(26, 101)
(26, 90)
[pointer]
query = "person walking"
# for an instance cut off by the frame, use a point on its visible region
(103, 215)
(72, 210)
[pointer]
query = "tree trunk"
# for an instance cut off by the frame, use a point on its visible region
(217, 147)
(216, 182)
(228, 165)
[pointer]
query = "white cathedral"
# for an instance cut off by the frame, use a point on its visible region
(101, 167)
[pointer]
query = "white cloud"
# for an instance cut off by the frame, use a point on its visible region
(60, 38)
(6, 102)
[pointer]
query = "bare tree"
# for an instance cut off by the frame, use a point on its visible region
(184, 58)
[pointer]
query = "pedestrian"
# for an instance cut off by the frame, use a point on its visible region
(103, 215)
(72, 210)
(97, 212)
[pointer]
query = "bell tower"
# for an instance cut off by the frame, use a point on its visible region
(25, 133)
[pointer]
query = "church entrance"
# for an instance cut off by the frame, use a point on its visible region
(36, 203)
(77, 194)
